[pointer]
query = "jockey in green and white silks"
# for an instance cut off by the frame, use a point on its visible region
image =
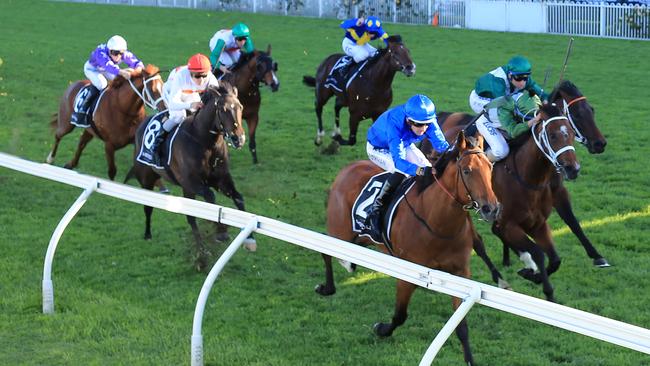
(513, 114)
(511, 78)
(227, 44)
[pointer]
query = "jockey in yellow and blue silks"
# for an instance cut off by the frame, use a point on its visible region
(391, 145)
(358, 33)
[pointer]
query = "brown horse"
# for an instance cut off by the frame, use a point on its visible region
(430, 226)
(523, 184)
(251, 70)
(370, 93)
(118, 114)
(199, 159)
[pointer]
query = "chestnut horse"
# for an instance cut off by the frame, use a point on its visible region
(430, 226)
(199, 159)
(120, 111)
(523, 184)
(251, 70)
(370, 93)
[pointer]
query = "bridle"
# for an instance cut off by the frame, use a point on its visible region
(219, 102)
(544, 145)
(145, 95)
(567, 112)
(472, 204)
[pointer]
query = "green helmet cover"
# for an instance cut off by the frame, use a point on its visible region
(241, 30)
(519, 65)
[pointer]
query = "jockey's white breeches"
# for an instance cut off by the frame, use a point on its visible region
(477, 102)
(97, 78)
(489, 128)
(229, 58)
(357, 52)
(384, 160)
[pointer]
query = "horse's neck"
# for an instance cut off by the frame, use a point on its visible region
(441, 211)
(244, 80)
(381, 75)
(532, 165)
(199, 127)
(129, 102)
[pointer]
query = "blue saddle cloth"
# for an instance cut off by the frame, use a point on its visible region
(343, 72)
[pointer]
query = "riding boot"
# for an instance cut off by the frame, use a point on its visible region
(80, 117)
(156, 143)
(373, 221)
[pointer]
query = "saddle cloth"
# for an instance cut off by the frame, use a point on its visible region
(363, 204)
(85, 117)
(153, 128)
(343, 67)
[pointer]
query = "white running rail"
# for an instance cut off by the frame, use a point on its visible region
(605, 329)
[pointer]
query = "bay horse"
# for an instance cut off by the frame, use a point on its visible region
(118, 114)
(523, 183)
(247, 74)
(430, 226)
(199, 159)
(369, 94)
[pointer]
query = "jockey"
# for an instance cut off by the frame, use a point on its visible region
(391, 145)
(505, 80)
(226, 46)
(358, 33)
(514, 115)
(182, 92)
(103, 66)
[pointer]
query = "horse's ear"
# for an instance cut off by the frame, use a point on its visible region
(460, 141)
(268, 50)
(479, 141)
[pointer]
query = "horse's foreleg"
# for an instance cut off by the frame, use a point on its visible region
(542, 237)
(252, 126)
(327, 288)
(479, 248)
(109, 151)
(336, 134)
(226, 185)
(148, 210)
(201, 261)
(462, 332)
(354, 126)
(404, 292)
(562, 204)
(83, 141)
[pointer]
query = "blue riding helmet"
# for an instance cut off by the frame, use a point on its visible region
(373, 24)
(420, 109)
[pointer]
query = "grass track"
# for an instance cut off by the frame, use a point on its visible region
(121, 300)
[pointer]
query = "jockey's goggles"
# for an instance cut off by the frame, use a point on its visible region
(199, 75)
(240, 38)
(116, 52)
(522, 77)
(417, 124)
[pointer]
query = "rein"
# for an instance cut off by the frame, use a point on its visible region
(145, 95)
(579, 136)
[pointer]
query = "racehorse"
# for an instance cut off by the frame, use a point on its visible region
(199, 158)
(369, 94)
(246, 75)
(430, 226)
(119, 112)
(523, 183)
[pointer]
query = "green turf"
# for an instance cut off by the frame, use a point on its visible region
(121, 300)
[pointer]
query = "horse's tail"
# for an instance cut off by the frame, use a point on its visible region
(309, 80)
(130, 174)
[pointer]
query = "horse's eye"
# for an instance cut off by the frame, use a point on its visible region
(467, 171)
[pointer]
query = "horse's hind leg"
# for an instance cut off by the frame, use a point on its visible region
(462, 332)
(252, 126)
(562, 204)
(83, 141)
(404, 292)
(61, 130)
(479, 248)
(109, 151)
(322, 96)
(327, 288)
(336, 135)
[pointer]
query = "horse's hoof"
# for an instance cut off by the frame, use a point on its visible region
(382, 329)
(250, 244)
(349, 266)
(49, 159)
(147, 236)
(331, 149)
(504, 284)
(67, 166)
(531, 276)
(222, 237)
(164, 190)
(601, 262)
(324, 291)
(318, 140)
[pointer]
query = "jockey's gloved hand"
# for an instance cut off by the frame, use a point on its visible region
(425, 171)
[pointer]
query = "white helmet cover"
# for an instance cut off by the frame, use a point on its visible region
(116, 43)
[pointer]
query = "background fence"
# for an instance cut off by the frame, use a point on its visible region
(596, 19)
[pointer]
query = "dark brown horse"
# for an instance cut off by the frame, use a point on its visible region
(431, 224)
(251, 70)
(370, 93)
(120, 111)
(523, 184)
(199, 158)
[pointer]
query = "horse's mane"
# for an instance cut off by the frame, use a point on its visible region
(245, 58)
(549, 109)
(565, 86)
(382, 51)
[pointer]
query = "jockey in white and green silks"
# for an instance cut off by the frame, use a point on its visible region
(227, 44)
(513, 114)
(504, 80)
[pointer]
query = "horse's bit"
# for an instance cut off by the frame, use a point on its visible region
(146, 96)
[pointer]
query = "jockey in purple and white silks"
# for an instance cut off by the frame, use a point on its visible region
(101, 67)
(391, 145)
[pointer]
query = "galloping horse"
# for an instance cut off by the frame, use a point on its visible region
(523, 184)
(250, 70)
(118, 114)
(369, 94)
(430, 226)
(199, 158)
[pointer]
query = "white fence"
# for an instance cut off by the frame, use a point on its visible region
(471, 292)
(596, 19)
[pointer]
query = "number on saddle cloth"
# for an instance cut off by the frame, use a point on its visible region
(84, 106)
(153, 128)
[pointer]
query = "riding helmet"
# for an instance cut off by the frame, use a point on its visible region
(519, 65)
(199, 63)
(241, 30)
(420, 109)
(116, 43)
(373, 23)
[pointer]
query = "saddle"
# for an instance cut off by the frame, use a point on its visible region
(85, 103)
(161, 157)
(363, 204)
(343, 72)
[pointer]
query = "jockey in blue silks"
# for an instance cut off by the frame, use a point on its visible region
(391, 145)
(358, 34)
